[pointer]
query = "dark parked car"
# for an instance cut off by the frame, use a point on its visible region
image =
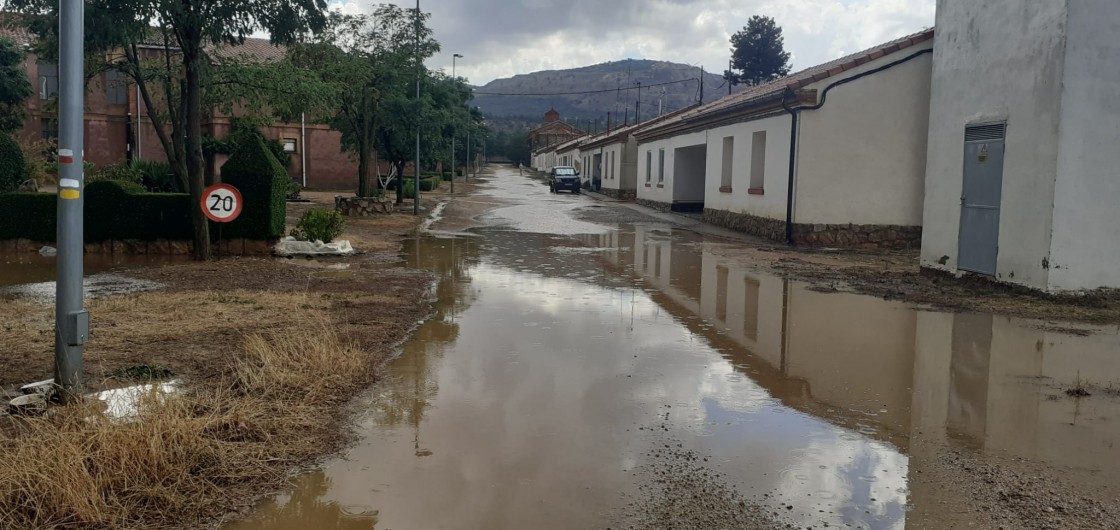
(563, 178)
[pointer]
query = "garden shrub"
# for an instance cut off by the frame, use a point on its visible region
(13, 167)
(158, 176)
(28, 216)
(111, 213)
(263, 184)
(118, 173)
(320, 225)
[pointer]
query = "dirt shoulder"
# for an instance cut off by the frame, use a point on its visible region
(267, 352)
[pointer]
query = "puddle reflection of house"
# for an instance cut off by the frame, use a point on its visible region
(921, 380)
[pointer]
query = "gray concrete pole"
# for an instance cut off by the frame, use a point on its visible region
(71, 321)
(419, 69)
(454, 80)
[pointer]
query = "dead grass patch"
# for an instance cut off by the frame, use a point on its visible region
(175, 463)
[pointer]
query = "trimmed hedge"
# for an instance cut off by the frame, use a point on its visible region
(111, 213)
(13, 167)
(263, 184)
(28, 216)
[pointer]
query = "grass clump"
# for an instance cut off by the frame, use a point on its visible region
(174, 462)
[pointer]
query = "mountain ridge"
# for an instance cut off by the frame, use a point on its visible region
(585, 95)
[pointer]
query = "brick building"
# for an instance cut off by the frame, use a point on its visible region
(117, 126)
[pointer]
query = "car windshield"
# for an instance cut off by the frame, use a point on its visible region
(565, 172)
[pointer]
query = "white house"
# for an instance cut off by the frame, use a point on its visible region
(568, 154)
(857, 128)
(1023, 178)
(612, 158)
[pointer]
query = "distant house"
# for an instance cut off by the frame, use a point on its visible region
(856, 128)
(611, 158)
(118, 128)
(550, 134)
(1023, 178)
(568, 154)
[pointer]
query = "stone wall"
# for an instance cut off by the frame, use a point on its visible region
(622, 195)
(159, 247)
(820, 235)
(363, 206)
(659, 206)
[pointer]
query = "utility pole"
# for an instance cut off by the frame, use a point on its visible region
(701, 85)
(71, 320)
(729, 83)
(456, 81)
(419, 70)
(638, 107)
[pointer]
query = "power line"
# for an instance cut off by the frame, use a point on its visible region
(690, 80)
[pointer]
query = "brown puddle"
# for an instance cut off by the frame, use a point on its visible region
(563, 378)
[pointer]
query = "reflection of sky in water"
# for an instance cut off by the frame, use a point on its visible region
(762, 445)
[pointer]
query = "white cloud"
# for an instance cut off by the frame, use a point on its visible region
(502, 38)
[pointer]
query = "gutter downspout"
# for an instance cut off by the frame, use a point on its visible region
(792, 165)
(794, 113)
(303, 146)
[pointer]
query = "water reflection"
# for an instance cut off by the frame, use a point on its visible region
(881, 368)
(306, 508)
(554, 367)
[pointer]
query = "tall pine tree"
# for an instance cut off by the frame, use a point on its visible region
(758, 53)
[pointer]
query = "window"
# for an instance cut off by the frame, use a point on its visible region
(116, 88)
(750, 318)
(289, 145)
(48, 80)
(649, 166)
(660, 166)
(758, 161)
(612, 164)
(728, 160)
(721, 293)
(48, 128)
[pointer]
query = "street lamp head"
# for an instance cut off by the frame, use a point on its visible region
(457, 56)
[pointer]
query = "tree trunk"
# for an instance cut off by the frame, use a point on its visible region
(192, 58)
(363, 170)
(400, 182)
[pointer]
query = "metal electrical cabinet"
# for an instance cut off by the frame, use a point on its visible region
(980, 198)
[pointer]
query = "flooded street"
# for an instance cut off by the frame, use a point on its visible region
(581, 375)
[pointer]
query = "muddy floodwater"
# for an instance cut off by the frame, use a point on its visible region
(581, 378)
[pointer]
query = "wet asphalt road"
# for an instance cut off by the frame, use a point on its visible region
(608, 370)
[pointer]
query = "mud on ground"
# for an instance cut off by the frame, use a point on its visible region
(197, 326)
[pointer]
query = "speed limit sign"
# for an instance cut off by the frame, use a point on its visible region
(221, 203)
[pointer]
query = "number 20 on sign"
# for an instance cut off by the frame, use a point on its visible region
(221, 203)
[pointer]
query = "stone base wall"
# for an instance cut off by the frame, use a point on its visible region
(820, 235)
(622, 195)
(363, 206)
(159, 247)
(659, 206)
(751, 224)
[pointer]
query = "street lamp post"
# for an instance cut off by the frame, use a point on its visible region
(416, 168)
(71, 320)
(453, 131)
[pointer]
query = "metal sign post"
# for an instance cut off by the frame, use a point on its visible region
(221, 203)
(71, 321)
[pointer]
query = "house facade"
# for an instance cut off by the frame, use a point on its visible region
(118, 127)
(553, 132)
(1021, 182)
(857, 130)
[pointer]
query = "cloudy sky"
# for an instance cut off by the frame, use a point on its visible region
(502, 38)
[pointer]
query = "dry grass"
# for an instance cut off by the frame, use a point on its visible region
(176, 463)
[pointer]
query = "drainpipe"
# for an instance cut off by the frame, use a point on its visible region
(794, 113)
(303, 146)
(792, 165)
(139, 124)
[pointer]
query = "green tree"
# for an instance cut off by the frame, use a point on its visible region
(14, 86)
(371, 61)
(758, 53)
(184, 31)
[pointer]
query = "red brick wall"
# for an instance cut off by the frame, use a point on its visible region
(107, 127)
